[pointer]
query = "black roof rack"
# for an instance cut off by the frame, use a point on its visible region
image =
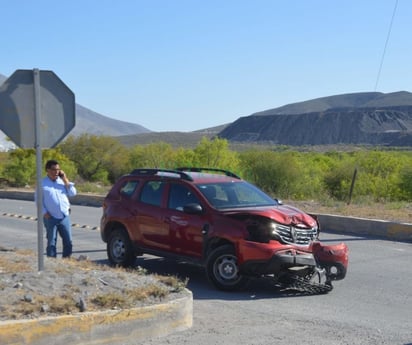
(162, 172)
(196, 169)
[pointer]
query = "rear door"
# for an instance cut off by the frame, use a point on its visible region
(150, 216)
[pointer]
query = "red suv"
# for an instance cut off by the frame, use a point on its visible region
(229, 226)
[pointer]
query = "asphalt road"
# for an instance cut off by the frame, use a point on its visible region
(372, 305)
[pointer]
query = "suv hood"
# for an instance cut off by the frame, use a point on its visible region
(283, 214)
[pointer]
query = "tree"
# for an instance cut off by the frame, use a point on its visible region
(184, 158)
(98, 158)
(3, 159)
(405, 183)
(20, 168)
(155, 155)
(274, 172)
(215, 153)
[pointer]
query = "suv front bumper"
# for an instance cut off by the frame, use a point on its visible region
(273, 258)
(278, 262)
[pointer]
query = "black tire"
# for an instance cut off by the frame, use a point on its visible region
(120, 249)
(223, 271)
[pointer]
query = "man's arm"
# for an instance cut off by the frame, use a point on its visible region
(71, 189)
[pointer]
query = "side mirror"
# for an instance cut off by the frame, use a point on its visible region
(280, 202)
(193, 208)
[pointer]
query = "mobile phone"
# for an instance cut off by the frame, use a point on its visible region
(61, 174)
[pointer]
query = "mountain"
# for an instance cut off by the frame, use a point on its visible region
(369, 118)
(88, 121)
(350, 100)
(364, 118)
(175, 139)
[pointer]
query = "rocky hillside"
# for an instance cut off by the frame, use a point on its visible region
(363, 118)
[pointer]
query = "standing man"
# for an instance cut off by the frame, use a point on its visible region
(56, 208)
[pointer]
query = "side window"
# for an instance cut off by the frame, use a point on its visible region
(222, 194)
(179, 196)
(215, 194)
(152, 193)
(128, 188)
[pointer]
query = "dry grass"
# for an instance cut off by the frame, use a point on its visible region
(121, 300)
(62, 304)
(175, 283)
(17, 263)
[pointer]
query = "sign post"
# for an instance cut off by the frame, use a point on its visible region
(39, 190)
(37, 110)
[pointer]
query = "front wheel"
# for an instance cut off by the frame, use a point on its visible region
(120, 249)
(223, 271)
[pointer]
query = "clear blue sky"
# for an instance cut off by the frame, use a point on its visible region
(189, 64)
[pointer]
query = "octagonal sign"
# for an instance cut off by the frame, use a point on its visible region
(18, 113)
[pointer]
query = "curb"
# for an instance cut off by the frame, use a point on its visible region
(80, 199)
(114, 327)
(367, 227)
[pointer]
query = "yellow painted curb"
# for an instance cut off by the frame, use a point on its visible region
(99, 328)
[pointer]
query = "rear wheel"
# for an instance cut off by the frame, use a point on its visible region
(120, 249)
(223, 271)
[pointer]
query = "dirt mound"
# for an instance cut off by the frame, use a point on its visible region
(363, 126)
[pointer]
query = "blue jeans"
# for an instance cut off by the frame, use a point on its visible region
(62, 227)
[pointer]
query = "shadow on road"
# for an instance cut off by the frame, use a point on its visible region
(201, 288)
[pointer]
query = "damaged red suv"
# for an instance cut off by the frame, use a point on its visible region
(229, 226)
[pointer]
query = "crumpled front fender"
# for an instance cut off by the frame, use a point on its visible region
(334, 258)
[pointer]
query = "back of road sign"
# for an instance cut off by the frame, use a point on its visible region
(17, 109)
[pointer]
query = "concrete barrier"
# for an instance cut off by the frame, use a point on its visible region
(366, 227)
(113, 327)
(80, 199)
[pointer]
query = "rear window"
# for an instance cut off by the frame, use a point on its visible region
(152, 193)
(128, 188)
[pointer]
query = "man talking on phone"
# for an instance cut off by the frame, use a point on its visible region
(56, 208)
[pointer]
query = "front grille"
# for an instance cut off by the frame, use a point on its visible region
(294, 235)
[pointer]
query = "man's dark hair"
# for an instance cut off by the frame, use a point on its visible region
(50, 163)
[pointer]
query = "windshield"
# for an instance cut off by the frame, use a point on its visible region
(235, 195)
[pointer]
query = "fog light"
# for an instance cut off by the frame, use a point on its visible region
(333, 270)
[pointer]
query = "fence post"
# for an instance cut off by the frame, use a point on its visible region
(352, 185)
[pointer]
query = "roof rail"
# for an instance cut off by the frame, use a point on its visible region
(162, 172)
(196, 169)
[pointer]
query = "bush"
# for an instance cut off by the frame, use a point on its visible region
(20, 168)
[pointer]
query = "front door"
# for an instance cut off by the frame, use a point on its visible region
(185, 230)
